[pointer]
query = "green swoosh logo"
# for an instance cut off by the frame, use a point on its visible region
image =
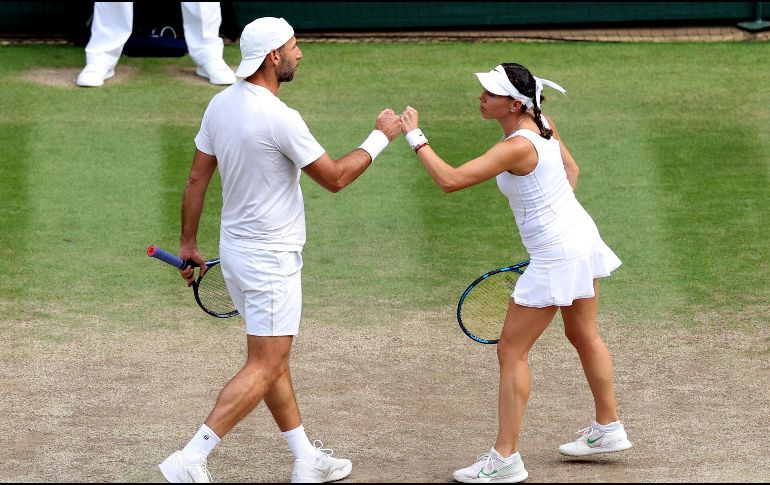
(494, 472)
(591, 442)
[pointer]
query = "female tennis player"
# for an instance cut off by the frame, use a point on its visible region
(536, 172)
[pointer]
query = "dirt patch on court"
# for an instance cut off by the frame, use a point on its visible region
(406, 402)
(65, 77)
(188, 75)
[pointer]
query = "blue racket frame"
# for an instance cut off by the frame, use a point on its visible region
(174, 260)
(516, 268)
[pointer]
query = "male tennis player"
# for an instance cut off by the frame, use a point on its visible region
(260, 145)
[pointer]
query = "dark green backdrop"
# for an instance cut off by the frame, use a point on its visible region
(69, 18)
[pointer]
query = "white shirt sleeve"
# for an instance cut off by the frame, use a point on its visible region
(293, 139)
(202, 139)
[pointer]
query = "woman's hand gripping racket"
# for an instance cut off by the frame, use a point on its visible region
(484, 304)
(209, 289)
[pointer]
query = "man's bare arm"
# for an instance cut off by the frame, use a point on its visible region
(202, 169)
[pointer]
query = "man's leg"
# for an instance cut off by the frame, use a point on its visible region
(282, 403)
(201, 33)
(110, 29)
(267, 360)
(310, 465)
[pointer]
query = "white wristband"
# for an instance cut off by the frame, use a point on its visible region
(375, 143)
(415, 138)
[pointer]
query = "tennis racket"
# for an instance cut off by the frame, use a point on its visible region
(484, 304)
(209, 289)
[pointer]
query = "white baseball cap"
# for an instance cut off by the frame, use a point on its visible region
(258, 39)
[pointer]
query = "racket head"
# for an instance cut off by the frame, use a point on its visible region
(211, 292)
(483, 305)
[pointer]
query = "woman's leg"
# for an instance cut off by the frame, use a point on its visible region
(523, 326)
(580, 328)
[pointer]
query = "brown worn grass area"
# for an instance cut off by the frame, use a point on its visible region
(188, 74)
(65, 77)
(407, 402)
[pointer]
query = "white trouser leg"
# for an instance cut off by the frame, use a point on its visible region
(110, 30)
(201, 31)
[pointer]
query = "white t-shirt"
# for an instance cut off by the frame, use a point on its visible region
(260, 144)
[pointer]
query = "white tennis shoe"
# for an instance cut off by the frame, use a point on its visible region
(93, 75)
(217, 72)
(593, 440)
(491, 468)
(325, 469)
(175, 470)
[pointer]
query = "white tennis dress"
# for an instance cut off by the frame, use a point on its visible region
(565, 249)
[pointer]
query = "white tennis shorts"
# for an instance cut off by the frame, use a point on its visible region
(266, 288)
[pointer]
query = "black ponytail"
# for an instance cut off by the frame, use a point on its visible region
(525, 83)
(546, 133)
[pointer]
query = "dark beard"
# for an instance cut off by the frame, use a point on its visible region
(285, 73)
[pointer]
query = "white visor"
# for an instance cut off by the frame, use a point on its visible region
(496, 82)
(489, 83)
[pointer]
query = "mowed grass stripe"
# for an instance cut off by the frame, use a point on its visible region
(638, 118)
(95, 194)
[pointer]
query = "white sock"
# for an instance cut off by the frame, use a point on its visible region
(607, 427)
(507, 459)
(300, 445)
(200, 445)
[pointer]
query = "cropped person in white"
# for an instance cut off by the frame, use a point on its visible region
(538, 175)
(260, 145)
(111, 27)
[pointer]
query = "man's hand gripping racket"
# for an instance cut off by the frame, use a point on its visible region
(209, 288)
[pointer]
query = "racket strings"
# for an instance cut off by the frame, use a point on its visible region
(212, 292)
(485, 306)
